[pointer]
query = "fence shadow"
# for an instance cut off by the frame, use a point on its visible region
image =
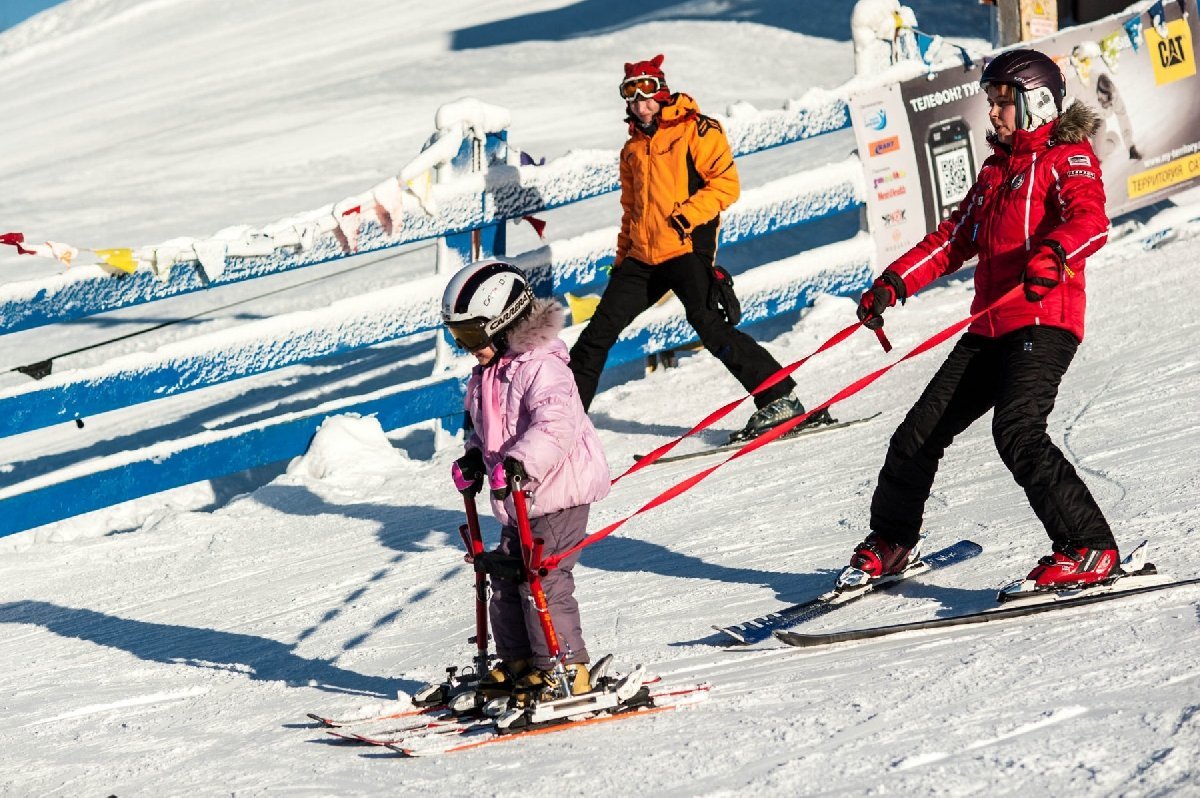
(259, 658)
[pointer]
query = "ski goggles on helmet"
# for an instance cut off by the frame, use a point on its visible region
(645, 86)
(470, 334)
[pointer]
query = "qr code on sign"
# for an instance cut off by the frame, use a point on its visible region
(954, 175)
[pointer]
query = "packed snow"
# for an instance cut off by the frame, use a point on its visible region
(173, 645)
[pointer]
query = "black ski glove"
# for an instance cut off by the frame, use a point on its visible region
(883, 293)
(721, 296)
(502, 477)
(467, 473)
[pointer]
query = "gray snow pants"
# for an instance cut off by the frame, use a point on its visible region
(515, 624)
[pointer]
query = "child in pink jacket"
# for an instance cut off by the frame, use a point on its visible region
(525, 417)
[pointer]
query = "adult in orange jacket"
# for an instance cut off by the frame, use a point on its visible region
(677, 175)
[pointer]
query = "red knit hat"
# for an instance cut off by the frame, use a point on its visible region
(650, 69)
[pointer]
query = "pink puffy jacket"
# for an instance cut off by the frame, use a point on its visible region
(541, 419)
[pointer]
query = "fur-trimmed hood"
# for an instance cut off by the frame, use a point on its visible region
(1078, 123)
(545, 321)
(1075, 125)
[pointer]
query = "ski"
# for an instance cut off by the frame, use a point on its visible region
(481, 734)
(759, 629)
(1130, 585)
(385, 729)
(376, 712)
(729, 447)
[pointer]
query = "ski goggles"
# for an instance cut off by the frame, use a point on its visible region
(645, 86)
(470, 335)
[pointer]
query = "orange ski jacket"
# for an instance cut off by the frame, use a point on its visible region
(684, 167)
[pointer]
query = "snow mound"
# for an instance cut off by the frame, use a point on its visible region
(345, 449)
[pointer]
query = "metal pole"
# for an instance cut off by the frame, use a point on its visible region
(473, 540)
(532, 552)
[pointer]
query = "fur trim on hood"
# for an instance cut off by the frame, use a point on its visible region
(1077, 123)
(545, 321)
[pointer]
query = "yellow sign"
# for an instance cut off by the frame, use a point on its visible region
(1173, 57)
(1038, 19)
(582, 307)
(1169, 174)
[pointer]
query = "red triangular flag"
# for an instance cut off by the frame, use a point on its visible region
(537, 224)
(16, 239)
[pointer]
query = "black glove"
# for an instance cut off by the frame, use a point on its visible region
(502, 477)
(467, 473)
(681, 225)
(883, 293)
(721, 296)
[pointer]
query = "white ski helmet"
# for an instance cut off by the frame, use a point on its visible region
(483, 301)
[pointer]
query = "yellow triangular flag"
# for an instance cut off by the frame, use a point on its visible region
(582, 307)
(120, 259)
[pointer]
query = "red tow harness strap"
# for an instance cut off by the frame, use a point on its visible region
(775, 432)
(721, 412)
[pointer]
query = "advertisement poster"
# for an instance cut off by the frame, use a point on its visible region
(1139, 76)
(893, 186)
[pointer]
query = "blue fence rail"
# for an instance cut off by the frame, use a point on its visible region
(504, 193)
(839, 269)
(256, 348)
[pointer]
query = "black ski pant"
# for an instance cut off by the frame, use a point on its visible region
(634, 287)
(1018, 375)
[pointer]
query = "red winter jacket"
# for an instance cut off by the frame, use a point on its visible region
(1047, 190)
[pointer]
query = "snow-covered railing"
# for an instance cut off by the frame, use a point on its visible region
(574, 265)
(390, 216)
(766, 291)
(456, 211)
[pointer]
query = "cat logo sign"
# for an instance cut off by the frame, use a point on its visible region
(1173, 56)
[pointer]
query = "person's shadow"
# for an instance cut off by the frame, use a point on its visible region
(259, 658)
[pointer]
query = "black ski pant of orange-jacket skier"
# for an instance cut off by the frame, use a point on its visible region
(634, 287)
(1017, 375)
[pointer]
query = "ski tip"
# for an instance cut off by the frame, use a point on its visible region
(734, 638)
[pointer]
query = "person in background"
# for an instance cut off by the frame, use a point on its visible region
(1034, 215)
(677, 175)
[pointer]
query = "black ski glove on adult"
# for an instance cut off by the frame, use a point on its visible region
(502, 477)
(883, 293)
(467, 473)
(721, 296)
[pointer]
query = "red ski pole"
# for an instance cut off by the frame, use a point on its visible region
(531, 549)
(473, 540)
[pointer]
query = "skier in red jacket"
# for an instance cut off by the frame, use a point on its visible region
(1034, 215)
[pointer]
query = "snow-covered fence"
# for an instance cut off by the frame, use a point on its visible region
(459, 209)
(401, 217)
(766, 291)
(573, 265)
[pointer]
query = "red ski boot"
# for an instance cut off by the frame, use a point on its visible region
(1069, 565)
(873, 558)
(877, 557)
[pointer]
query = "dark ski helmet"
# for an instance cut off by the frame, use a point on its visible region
(483, 301)
(1039, 84)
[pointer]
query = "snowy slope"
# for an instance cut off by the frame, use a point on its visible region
(180, 657)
